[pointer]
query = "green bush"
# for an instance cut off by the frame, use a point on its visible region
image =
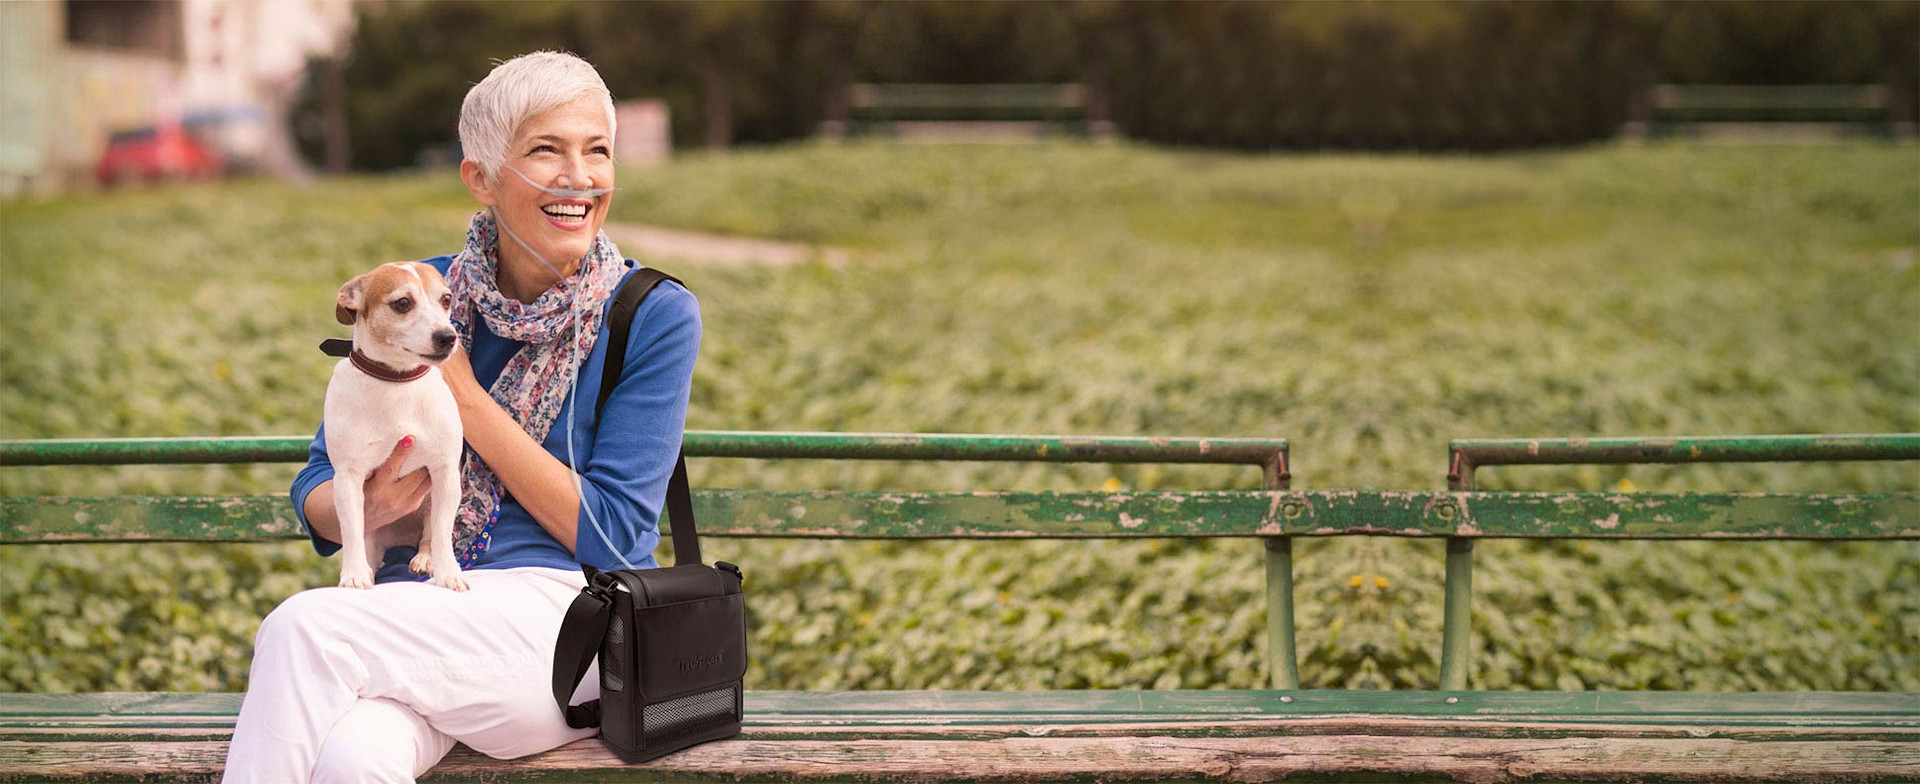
(1246, 75)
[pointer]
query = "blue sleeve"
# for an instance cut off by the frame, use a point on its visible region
(319, 469)
(624, 484)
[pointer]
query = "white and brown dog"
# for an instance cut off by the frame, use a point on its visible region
(387, 389)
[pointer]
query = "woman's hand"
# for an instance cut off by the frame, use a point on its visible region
(458, 373)
(390, 496)
(387, 498)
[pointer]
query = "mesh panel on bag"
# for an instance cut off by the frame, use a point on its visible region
(665, 720)
(613, 655)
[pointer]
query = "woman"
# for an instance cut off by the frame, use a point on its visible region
(376, 685)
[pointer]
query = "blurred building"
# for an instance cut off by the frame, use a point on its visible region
(643, 132)
(73, 73)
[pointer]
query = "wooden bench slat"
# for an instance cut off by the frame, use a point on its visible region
(1236, 759)
(1639, 704)
(1081, 735)
(1149, 758)
(1248, 513)
(873, 708)
(913, 728)
(137, 705)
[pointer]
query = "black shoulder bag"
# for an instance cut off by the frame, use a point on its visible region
(672, 642)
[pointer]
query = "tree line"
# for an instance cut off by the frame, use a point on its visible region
(1242, 75)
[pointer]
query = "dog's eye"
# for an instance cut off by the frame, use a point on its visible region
(402, 304)
(446, 301)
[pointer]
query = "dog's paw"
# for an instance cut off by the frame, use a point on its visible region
(421, 563)
(356, 578)
(450, 580)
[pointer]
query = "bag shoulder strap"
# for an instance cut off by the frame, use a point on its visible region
(626, 302)
(585, 624)
(581, 631)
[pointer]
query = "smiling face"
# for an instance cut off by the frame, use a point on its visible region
(568, 147)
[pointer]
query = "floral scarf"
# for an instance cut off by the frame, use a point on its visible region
(536, 381)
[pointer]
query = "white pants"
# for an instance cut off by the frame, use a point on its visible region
(376, 685)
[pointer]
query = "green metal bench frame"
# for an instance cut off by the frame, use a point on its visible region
(1862, 736)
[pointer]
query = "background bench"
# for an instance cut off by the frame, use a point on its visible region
(1450, 734)
(1810, 111)
(969, 112)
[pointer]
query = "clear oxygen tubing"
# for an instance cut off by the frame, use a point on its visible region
(564, 193)
(573, 371)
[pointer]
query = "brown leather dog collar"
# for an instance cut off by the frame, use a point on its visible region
(368, 366)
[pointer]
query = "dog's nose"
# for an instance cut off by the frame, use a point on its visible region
(443, 340)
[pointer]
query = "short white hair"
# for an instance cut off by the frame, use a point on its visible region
(517, 90)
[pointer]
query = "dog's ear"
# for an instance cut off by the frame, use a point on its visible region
(347, 305)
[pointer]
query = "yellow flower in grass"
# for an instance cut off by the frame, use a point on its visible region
(1355, 582)
(1379, 582)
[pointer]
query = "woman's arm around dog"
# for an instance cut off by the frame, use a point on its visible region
(390, 498)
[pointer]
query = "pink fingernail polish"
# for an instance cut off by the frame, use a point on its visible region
(406, 442)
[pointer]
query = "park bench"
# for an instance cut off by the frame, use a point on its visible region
(1283, 732)
(969, 112)
(1785, 111)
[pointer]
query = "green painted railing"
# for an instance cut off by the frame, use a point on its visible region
(154, 451)
(1268, 453)
(1275, 514)
(834, 515)
(1426, 514)
(1468, 454)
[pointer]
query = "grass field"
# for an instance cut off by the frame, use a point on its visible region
(1367, 308)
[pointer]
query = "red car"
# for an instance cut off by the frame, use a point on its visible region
(160, 152)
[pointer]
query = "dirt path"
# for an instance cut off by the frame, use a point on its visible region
(643, 242)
